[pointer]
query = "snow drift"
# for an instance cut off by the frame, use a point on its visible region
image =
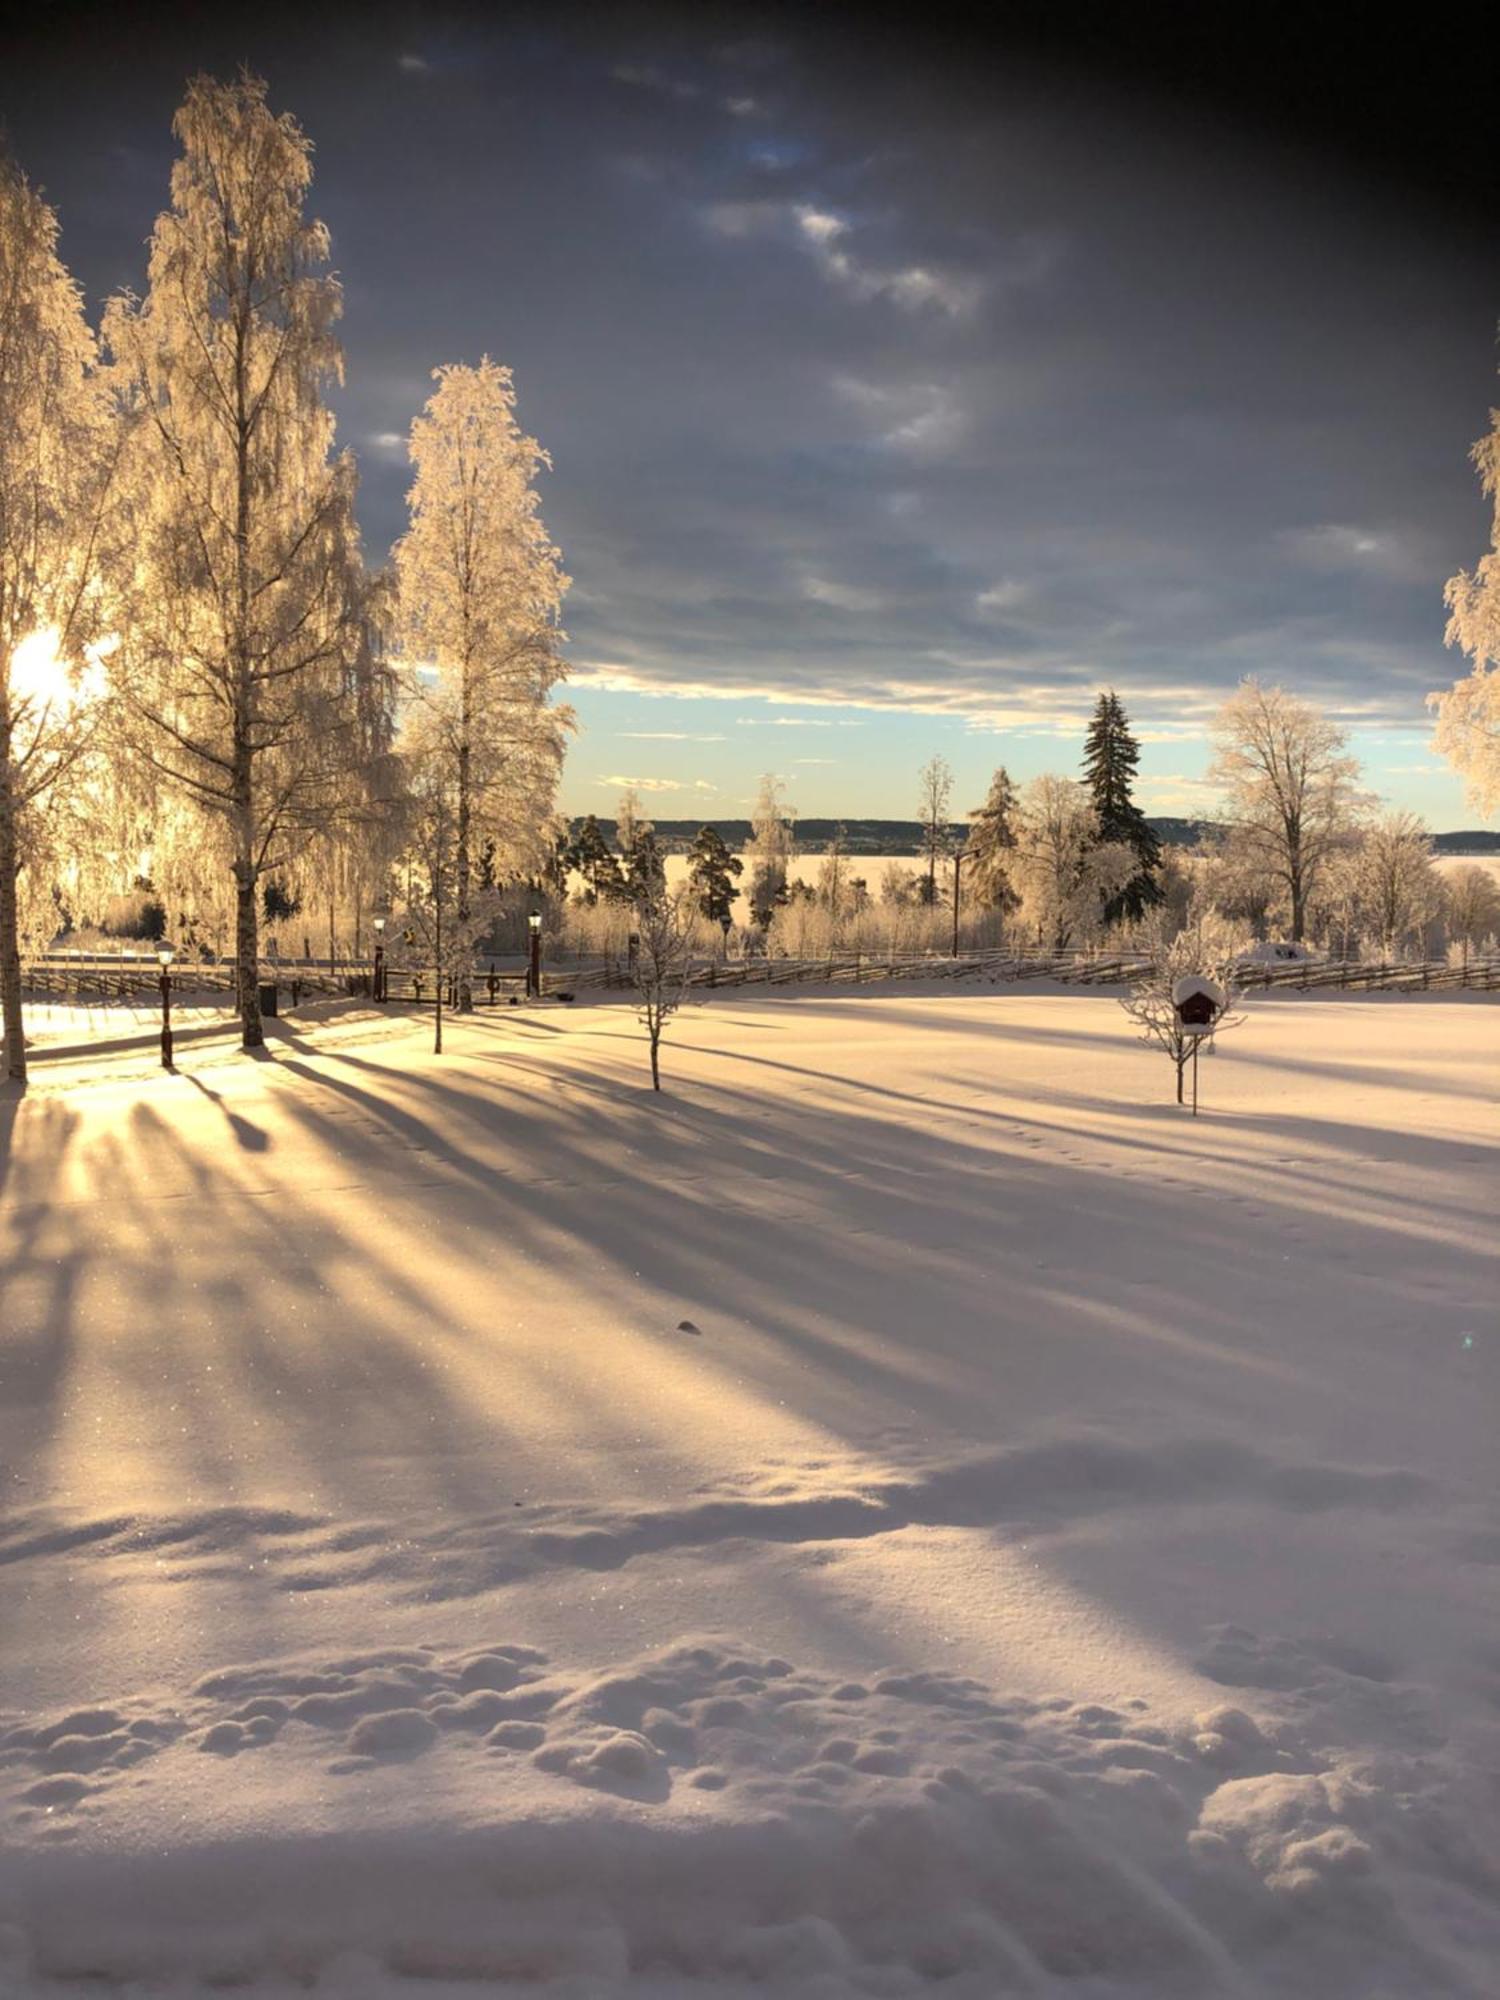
(709, 1818)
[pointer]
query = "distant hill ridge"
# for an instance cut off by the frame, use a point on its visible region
(904, 836)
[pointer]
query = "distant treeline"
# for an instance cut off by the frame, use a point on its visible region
(904, 836)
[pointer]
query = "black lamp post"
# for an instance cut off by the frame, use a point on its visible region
(534, 967)
(164, 960)
(377, 981)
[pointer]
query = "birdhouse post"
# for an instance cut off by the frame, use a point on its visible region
(1197, 1003)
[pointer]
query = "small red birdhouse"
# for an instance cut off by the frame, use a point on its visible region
(1198, 1003)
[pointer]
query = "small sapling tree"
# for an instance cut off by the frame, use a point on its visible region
(662, 967)
(1205, 948)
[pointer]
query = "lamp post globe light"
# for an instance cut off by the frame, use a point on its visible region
(377, 977)
(164, 956)
(534, 965)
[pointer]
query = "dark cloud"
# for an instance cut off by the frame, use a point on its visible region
(893, 364)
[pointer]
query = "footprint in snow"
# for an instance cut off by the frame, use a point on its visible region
(686, 1326)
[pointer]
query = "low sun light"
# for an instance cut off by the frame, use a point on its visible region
(40, 679)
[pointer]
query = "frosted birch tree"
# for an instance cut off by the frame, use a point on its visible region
(934, 793)
(1398, 889)
(242, 632)
(772, 846)
(1290, 791)
(342, 875)
(834, 890)
(1064, 873)
(1472, 909)
(430, 937)
(56, 460)
(480, 593)
(1468, 713)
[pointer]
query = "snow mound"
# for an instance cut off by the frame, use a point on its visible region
(711, 1821)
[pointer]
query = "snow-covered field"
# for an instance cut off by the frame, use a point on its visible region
(908, 1511)
(1446, 863)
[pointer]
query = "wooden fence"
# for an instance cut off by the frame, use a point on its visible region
(55, 976)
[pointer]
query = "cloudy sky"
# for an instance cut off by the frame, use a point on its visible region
(903, 388)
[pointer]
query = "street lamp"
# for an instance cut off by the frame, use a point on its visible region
(164, 960)
(377, 982)
(534, 967)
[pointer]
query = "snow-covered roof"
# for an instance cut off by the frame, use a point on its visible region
(1192, 983)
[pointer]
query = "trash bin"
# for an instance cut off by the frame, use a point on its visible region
(268, 997)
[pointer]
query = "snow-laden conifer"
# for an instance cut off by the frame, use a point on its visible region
(713, 877)
(990, 849)
(1110, 758)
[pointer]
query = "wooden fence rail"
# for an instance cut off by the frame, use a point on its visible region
(103, 980)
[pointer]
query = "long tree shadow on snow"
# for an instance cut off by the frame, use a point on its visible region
(910, 1291)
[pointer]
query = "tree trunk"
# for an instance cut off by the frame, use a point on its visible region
(246, 929)
(465, 990)
(10, 940)
(247, 957)
(655, 1060)
(1299, 899)
(437, 941)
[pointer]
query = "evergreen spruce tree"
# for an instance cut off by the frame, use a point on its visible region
(991, 845)
(591, 856)
(713, 875)
(646, 869)
(1109, 763)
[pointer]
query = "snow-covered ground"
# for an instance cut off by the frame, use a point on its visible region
(907, 1511)
(1446, 863)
